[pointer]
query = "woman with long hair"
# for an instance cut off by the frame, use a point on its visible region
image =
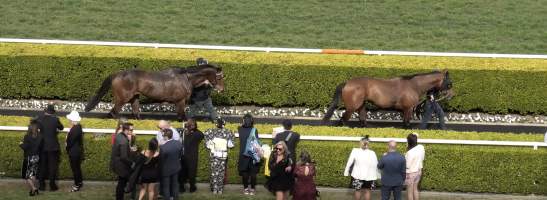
(280, 164)
(31, 145)
(191, 137)
(304, 172)
(364, 170)
(247, 166)
(150, 170)
(414, 156)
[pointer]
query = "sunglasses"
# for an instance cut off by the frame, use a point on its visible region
(278, 149)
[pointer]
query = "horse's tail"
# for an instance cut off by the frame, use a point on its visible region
(334, 103)
(93, 101)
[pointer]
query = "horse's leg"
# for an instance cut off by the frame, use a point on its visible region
(179, 107)
(135, 107)
(407, 115)
(116, 109)
(363, 116)
(346, 116)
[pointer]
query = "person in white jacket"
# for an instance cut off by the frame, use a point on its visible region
(362, 162)
(414, 156)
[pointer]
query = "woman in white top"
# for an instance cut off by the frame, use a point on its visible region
(414, 156)
(364, 171)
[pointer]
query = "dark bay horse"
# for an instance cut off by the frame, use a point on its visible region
(173, 85)
(401, 93)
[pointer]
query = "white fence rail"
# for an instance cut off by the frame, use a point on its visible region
(271, 49)
(535, 145)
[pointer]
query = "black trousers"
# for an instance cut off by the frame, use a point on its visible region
(185, 176)
(122, 182)
(430, 107)
(76, 166)
(49, 166)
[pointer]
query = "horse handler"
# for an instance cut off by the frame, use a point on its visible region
(432, 105)
(201, 98)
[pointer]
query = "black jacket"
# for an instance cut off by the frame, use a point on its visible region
(75, 141)
(120, 161)
(49, 128)
(292, 142)
(31, 145)
(200, 93)
(191, 141)
(244, 134)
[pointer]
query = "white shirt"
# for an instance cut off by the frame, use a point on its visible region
(415, 159)
(161, 140)
(364, 164)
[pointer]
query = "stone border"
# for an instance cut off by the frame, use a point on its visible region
(273, 112)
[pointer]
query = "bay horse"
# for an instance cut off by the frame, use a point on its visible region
(173, 85)
(401, 93)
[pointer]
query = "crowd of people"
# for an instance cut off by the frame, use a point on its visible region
(170, 161)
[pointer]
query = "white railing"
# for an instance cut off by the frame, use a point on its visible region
(535, 145)
(271, 49)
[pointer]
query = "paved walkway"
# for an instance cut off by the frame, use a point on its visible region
(330, 193)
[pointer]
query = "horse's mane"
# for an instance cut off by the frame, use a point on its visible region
(194, 69)
(408, 77)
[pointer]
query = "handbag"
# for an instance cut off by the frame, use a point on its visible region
(252, 148)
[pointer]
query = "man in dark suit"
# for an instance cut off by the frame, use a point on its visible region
(290, 137)
(120, 161)
(170, 154)
(49, 156)
(393, 166)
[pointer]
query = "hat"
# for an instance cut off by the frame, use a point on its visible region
(50, 109)
(74, 116)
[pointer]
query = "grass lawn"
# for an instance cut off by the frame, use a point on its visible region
(494, 26)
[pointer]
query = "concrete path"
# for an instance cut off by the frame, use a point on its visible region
(326, 192)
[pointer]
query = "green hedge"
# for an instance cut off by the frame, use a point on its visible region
(453, 168)
(76, 72)
(305, 130)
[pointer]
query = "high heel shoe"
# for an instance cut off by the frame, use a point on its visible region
(75, 188)
(33, 192)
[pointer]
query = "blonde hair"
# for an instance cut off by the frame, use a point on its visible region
(286, 151)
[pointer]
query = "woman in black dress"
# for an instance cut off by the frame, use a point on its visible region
(31, 145)
(281, 178)
(150, 171)
(247, 167)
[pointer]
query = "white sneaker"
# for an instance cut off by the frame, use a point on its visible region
(251, 192)
(246, 191)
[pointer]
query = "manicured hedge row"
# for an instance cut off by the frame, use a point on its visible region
(304, 130)
(451, 168)
(75, 73)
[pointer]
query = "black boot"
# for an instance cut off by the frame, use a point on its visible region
(53, 187)
(42, 185)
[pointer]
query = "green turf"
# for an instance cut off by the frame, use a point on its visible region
(494, 26)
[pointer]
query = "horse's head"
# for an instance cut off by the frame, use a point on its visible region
(446, 83)
(213, 75)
